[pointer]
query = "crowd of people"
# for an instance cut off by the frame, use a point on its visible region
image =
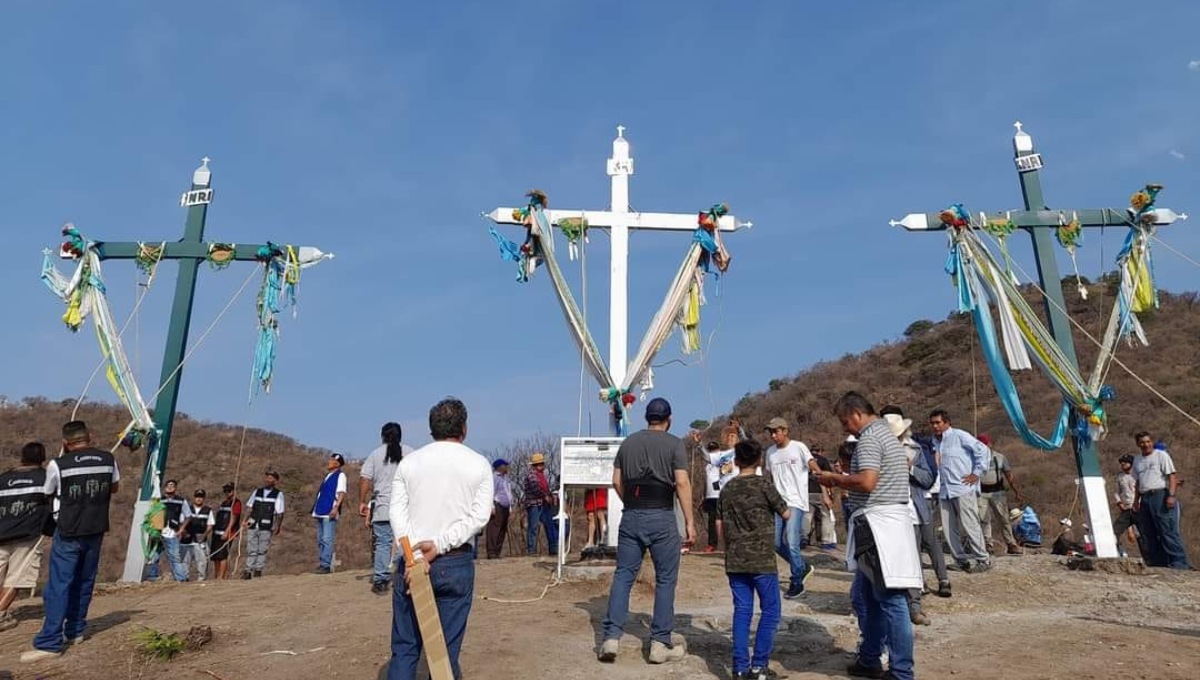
(901, 493)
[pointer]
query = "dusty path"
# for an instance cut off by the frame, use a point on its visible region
(1028, 618)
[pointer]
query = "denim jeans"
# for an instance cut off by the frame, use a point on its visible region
(326, 532)
(170, 546)
(68, 592)
(884, 621)
(384, 541)
(1160, 531)
(453, 579)
(744, 586)
(643, 530)
(195, 554)
(787, 543)
(542, 515)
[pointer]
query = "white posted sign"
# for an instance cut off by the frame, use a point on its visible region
(588, 461)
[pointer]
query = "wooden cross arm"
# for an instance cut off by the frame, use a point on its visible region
(633, 220)
(1025, 219)
(174, 250)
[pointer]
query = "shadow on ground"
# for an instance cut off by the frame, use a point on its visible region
(801, 643)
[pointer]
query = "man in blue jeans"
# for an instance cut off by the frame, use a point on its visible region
(789, 463)
(649, 473)
(326, 509)
(84, 479)
(441, 497)
(881, 531)
(541, 501)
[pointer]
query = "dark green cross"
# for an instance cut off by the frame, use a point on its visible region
(1041, 223)
(189, 251)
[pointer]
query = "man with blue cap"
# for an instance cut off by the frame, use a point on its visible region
(650, 471)
(502, 498)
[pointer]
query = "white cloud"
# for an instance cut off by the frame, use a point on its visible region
(1194, 65)
(1177, 154)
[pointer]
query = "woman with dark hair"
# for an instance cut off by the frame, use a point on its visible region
(374, 490)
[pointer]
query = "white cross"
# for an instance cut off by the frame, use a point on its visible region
(619, 220)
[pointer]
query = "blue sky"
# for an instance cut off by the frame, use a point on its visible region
(380, 131)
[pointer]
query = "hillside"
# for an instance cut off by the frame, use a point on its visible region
(939, 365)
(203, 455)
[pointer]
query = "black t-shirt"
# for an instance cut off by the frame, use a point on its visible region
(822, 462)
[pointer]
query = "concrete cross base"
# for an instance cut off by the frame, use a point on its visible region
(1108, 565)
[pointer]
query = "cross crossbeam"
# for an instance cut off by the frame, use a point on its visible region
(173, 250)
(1027, 219)
(630, 220)
(1039, 221)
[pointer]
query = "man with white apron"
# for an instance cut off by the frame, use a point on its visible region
(880, 549)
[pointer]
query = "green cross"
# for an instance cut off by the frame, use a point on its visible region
(1041, 223)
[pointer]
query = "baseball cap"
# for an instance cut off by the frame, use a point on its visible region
(499, 463)
(228, 487)
(658, 410)
(777, 423)
(984, 439)
(338, 457)
(200, 492)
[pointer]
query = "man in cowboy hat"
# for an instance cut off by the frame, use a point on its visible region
(920, 478)
(541, 500)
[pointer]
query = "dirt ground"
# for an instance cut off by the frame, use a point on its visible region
(1030, 617)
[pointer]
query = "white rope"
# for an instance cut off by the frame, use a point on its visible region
(200, 340)
(1173, 249)
(582, 356)
(1098, 344)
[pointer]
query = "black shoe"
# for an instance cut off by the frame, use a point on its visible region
(943, 589)
(257, 573)
(762, 674)
(965, 566)
(795, 590)
(379, 587)
(980, 567)
(321, 570)
(246, 576)
(858, 670)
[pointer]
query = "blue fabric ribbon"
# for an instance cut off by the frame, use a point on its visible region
(1005, 388)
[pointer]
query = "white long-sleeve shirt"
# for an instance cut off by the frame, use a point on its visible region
(442, 492)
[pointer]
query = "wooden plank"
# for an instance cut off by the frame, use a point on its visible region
(421, 591)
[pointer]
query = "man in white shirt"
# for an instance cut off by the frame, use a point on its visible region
(442, 496)
(789, 463)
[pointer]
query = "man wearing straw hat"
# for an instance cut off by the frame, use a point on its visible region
(24, 514)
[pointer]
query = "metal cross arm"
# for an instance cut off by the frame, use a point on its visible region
(633, 220)
(1025, 219)
(173, 250)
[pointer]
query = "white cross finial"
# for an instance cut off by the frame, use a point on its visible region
(621, 131)
(205, 160)
(1017, 125)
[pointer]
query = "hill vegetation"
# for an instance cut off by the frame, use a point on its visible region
(940, 365)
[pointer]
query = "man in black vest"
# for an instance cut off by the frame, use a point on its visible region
(193, 538)
(84, 479)
(24, 514)
(225, 531)
(264, 519)
(175, 514)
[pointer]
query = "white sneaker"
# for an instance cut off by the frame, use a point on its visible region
(660, 653)
(75, 641)
(38, 655)
(609, 650)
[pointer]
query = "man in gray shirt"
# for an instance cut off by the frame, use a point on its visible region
(649, 473)
(878, 484)
(1155, 505)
